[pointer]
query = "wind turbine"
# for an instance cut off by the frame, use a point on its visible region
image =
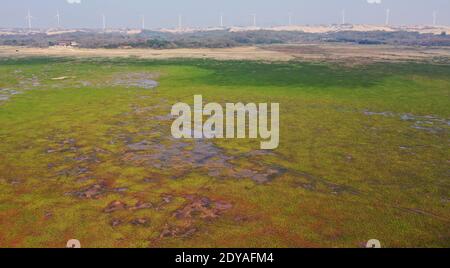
(104, 22)
(290, 19)
(28, 18)
(180, 21)
(343, 16)
(58, 18)
(388, 15)
(434, 18)
(143, 22)
(221, 20)
(254, 19)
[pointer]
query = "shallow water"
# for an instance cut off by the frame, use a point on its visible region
(140, 80)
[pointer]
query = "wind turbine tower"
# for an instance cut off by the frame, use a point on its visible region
(180, 21)
(143, 22)
(254, 20)
(290, 19)
(221, 20)
(58, 18)
(104, 22)
(343, 16)
(388, 15)
(434, 18)
(28, 18)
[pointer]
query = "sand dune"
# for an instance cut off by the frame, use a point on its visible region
(424, 29)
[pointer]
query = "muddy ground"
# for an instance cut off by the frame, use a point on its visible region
(344, 53)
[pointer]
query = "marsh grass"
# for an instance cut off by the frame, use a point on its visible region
(352, 176)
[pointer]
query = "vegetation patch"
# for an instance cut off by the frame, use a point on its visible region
(363, 154)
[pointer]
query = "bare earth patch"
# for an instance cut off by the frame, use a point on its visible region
(238, 53)
(197, 208)
(345, 53)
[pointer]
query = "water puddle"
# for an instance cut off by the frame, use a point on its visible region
(428, 123)
(199, 156)
(140, 80)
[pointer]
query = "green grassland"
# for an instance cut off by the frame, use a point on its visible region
(364, 153)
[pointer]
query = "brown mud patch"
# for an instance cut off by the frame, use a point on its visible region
(95, 191)
(119, 205)
(202, 208)
(141, 222)
(316, 184)
(177, 231)
(186, 218)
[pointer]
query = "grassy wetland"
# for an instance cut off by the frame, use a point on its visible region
(86, 153)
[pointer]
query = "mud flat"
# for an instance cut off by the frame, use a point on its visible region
(360, 54)
(348, 53)
(238, 53)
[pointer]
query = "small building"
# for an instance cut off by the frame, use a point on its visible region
(66, 44)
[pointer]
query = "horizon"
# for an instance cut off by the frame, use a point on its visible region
(87, 14)
(187, 28)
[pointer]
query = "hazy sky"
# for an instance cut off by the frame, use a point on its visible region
(164, 13)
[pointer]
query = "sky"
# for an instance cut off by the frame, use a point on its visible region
(206, 13)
